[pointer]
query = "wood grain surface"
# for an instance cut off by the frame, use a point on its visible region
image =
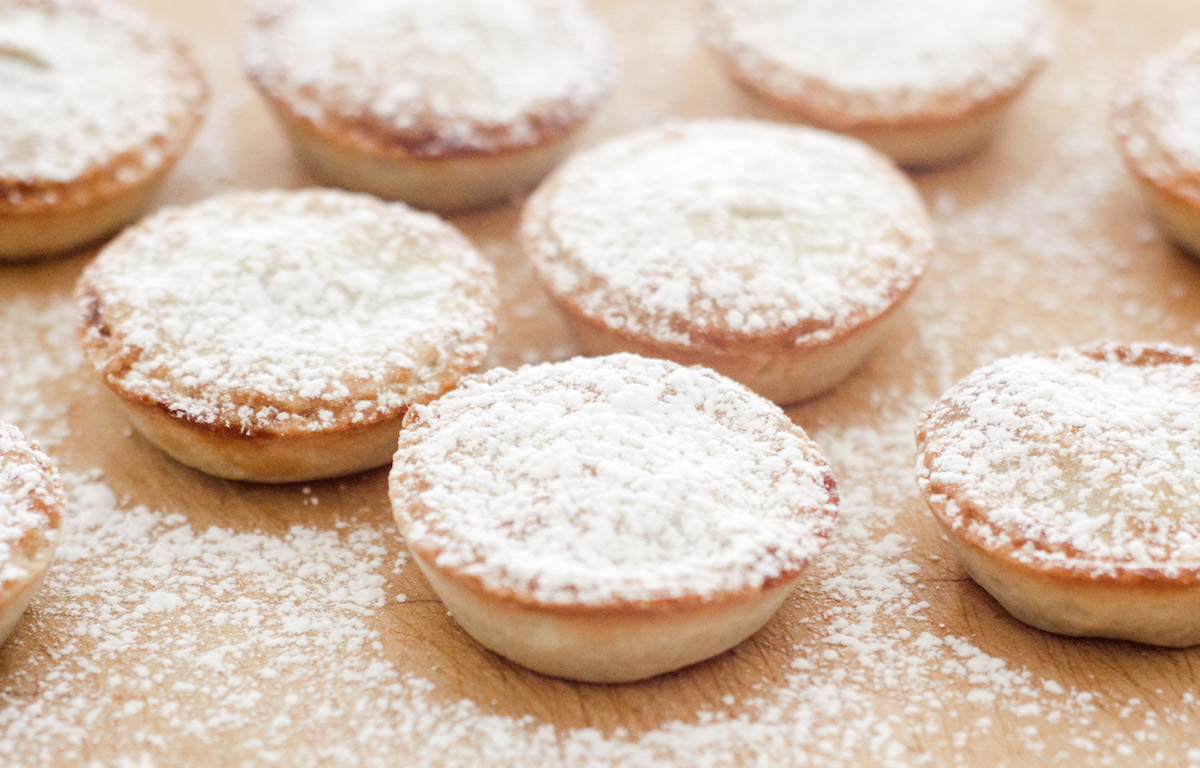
(193, 621)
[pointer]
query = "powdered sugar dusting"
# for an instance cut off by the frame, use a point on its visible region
(609, 480)
(729, 226)
(881, 59)
(444, 75)
(83, 83)
(1085, 460)
(288, 309)
(29, 378)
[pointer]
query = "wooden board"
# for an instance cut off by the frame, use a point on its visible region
(192, 621)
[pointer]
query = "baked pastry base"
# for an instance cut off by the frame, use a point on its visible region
(1178, 218)
(781, 374)
(1055, 601)
(111, 180)
(718, 317)
(604, 644)
(562, 547)
(451, 183)
(14, 602)
(56, 230)
(924, 147)
(225, 452)
(917, 145)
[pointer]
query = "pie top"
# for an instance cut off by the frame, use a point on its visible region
(863, 62)
(432, 78)
(1083, 462)
(93, 97)
(729, 232)
(286, 312)
(610, 481)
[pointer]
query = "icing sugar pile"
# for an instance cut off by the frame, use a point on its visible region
(736, 226)
(606, 480)
(445, 74)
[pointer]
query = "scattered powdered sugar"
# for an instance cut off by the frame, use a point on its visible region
(611, 480)
(446, 75)
(864, 59)
(28, 401)
(1157, 112)
(29, 500)
(729, 226)
(299, 309)
(128, 579)
(243, 639)
(1083, 459)
(83, 83)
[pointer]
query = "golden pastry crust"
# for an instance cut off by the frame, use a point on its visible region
(924, 82)
(280, 336)
(445, 105)
(604, 645)
(1155, 124)
(96, 105)
(1068, 483)
(774, 254)
(641, 516)
(31, 506)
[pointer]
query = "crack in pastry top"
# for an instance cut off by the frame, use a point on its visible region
(1085, 460)
(84, 83)
(601, 481)
(29, 498)
(1157, 117)
(437, 76)
(869, 58)
(729, 227)
(288, 311)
